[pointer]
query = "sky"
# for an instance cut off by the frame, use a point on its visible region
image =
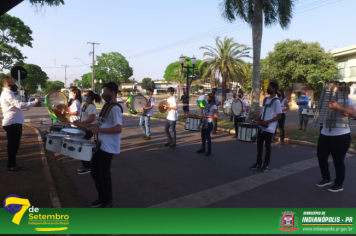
(165, 27)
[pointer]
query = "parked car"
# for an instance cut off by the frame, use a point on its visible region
(119, 99)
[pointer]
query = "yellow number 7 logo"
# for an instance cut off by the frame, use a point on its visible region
(18, 201)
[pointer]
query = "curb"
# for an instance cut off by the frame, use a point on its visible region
(286, 140)
(51, 187)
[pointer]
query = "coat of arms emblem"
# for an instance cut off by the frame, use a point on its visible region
(288, 222)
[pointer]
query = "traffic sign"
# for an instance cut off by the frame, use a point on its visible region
(15, 72)
(266, 82)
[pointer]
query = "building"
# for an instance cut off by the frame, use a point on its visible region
(128, 88)
(346, 58)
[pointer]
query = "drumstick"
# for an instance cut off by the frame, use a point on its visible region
(266, 126)
(76, 125)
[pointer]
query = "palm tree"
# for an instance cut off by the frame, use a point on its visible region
(252, 12)
(133, 81)
(225, 60)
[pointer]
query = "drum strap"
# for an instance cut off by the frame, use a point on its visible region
(266, 106)
(107, 108)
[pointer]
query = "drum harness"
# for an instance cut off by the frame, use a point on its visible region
(267, 106)
(104, 113)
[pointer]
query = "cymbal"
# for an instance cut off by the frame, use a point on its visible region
(161, 106)
(58, 111)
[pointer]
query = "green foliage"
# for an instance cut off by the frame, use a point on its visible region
(13, 32)
(35, 77)
(86, 80)
(147, 83)
(293, 61)
(52, 86)
(50, 3)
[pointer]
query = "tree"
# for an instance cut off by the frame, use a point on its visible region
(51, 3)
(226, 60)
(13, 31)
(133, 81)
(113, 67)
(52, 86)
(147, 83)
(86, 80)
(35, 77)
(253, 12)
(293, 61)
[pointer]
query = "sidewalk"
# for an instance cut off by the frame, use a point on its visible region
(31, 183)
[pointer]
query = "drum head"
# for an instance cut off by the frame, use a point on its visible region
(55, 98)
(73, 131)
(138, 102)
(202, 101)
(58, 111)
(236, 107)
(161, 106)
(227, 107)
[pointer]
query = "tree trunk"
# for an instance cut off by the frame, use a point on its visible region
(257, 40)
(223, 88)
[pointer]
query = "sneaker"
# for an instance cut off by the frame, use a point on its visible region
(200, 151)
(335, 188)
(323, 183)
(106, 205)
(172, 145)
(15, 169)
(255, 167)
(97, 203)
(148, 138)
(144, 136)
(81, 168)
(234, 136)
(84, 171)
(167, 144)
(264, 168)
(208, 154)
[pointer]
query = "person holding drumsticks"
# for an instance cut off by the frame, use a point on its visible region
(210, 112)
(245, 108)
(172, 117)
(271, 113)
(88, 116)
(76, 107)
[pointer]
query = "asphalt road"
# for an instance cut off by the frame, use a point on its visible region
(146, 174)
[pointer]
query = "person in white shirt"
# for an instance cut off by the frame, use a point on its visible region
(75, 109)
(71, 98)
(209, 113)
(172, 117)
(146, 115)
(12, 122)
(218, 104)
(335, 142)
(109, 135)
(271, 113)
(87, 116)
(245, 108)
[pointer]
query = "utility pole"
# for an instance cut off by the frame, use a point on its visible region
(93, 76)
(65, 76)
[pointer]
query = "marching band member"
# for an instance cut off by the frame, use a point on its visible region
(172, 117)
(271, 113)
(218, 104)
(185, 101)
(12, 122)
(336, 142)
(146, 115)
(88, 116)
(109, 135)
(210, 112)
(71, 98)
(285, 107)
(245, 108)
(75, 108)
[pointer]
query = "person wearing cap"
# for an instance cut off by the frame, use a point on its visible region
(303, 102)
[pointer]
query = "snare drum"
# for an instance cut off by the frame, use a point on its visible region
(73, 132)
(56, 128)
(227, 107)
(309, 112)
(77, 148)
(54, 141)
(247, 131)
(192, 124)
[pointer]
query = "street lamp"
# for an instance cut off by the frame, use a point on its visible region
(182, 60)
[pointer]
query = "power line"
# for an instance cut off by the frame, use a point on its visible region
(62, 67)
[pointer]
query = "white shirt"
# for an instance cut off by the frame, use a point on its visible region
(76, 106)
(12, 108)
(245, 104)
(283, 106)
(271, 113)
(86, 112)
(210, 112)
(340, 128)
(217, 100)
(172, 114)
(151, 101)
(111, 142)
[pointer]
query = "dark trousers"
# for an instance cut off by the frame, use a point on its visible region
(100, 172)
(88, 135)
(281, 127)
(13, 135)
(337, 146)
(264, 137)
(205, 136)
(172, 125)
(238, 119)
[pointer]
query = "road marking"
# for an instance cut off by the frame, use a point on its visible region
(219, 193)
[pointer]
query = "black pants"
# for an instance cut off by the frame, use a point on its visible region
(100, 172)
(281, 127)
(13, 135)
(264, 137)
(88, 135)
(238, 119)
(337, 146)
(215, 125)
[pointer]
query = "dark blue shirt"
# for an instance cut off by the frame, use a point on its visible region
(185, 97)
